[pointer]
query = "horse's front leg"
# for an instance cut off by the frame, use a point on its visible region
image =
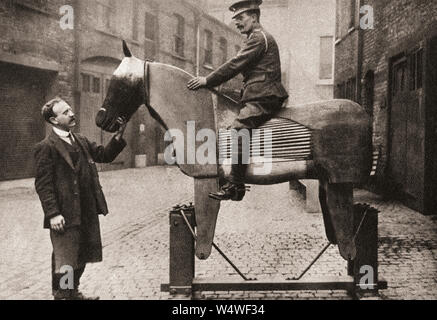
(206, 215)
(336, 200)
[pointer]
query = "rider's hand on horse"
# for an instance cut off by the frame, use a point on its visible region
(57, 223)
(197, 83)
(121, 129)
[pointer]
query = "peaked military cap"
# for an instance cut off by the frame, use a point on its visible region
(243, 6)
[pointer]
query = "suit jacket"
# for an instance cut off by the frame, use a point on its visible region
(56, 179)
(260, 64)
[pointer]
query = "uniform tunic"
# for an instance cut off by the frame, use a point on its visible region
(263, 93)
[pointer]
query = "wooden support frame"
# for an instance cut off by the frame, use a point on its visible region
(184, 282)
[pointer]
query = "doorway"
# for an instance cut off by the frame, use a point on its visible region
(406, 163)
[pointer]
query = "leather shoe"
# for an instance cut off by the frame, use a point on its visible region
(230, 191)
(80, 296)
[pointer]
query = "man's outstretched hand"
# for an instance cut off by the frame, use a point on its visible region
(196, 83)
(121, 129)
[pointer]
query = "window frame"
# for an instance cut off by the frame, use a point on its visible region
(208, 48)
(331, 59)
(352, 13)
(105, 22)
(179, 35)
(223, 45)
(147, 17)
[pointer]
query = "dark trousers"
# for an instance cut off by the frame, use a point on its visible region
(57, 291)
(252, 116)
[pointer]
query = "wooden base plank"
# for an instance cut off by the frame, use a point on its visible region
(337, 283)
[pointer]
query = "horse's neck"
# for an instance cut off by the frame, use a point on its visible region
(174, 103)
(226, 111)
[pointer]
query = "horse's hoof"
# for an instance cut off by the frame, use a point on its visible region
(348, 250)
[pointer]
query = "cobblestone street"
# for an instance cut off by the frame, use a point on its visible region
(267, 235)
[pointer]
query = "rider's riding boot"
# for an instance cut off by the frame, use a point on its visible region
(235, 189)
(229, 191)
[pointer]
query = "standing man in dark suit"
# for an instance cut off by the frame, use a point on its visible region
(263, 93)
(68, 186)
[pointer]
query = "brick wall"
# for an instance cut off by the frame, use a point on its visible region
(36, 63)
(399, 24)
(32, 36)
(32, 31)
(399, 27)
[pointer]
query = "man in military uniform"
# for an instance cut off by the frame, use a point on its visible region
(263, 93)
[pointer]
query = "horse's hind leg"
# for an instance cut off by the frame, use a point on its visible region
(337, 204)
(329, 228)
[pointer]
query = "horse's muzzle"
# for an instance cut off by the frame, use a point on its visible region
(106, 123)
(100, 118)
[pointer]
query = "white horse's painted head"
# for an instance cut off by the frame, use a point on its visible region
(126, 92)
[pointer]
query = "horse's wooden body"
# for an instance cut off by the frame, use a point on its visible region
(340, 150)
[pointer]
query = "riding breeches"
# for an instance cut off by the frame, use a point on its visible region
(252, 116)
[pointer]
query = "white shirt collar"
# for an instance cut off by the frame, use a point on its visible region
(61, 133)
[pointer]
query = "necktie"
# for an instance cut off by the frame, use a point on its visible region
(70, 137)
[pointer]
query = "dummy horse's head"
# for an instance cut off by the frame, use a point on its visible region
(125, 95)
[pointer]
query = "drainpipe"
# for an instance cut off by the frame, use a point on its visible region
(76, 78)
(360, 46)
(198, 44)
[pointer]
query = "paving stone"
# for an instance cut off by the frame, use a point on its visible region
(267, 235)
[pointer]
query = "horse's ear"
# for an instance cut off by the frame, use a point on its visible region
(126, 50)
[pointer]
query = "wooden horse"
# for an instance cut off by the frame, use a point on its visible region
(328, 140)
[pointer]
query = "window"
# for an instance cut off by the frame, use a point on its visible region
(352, 84)
(179, 35)
(86, 83)
(337, 19)
(416, 69)
(150, 32)
(90, 83)
(208, 47)
(369, 91)
(38, 5)
(105, 15)
(150, 35)
(399, 76)
(135, 21)
(353, 8)
(223, 50)
(96, 85)
(107, 83)
(346, 90)
(326, 57)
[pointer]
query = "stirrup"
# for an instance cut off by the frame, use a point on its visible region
(230, 191)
